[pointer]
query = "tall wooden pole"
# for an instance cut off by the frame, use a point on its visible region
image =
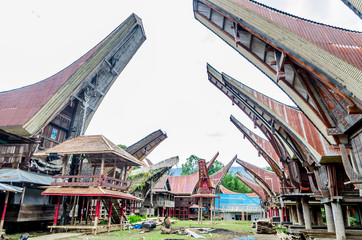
(56, 212)
(4, 211)
(97, 214)
(110, 215)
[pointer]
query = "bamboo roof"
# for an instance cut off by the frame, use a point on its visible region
(87, 191)
(95, 147)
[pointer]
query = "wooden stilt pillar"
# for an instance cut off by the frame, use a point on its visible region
(306, 214)
(163, 211)
(87, 211)
(4, 211)
(110, 215)
(97, 214)
(81, 211)
(198, 212)
(121, 222)
(338, 221)
(201, 212)
(300, 212)
(56, 213)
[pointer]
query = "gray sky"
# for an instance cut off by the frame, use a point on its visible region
(165, 85)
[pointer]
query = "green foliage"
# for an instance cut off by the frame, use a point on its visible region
(216, 166)
(234, 184)
(190, 166)
(144, 216)
(134, 219)
(269, 169)
(353, 221)
(122, 146)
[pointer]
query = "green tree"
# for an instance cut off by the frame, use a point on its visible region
(122, 146)
(216, 166)
(190, 166)
(234, 184)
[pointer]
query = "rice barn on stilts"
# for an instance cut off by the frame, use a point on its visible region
(85, 193)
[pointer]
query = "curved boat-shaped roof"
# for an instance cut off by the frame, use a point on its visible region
(217, 177)
(264, 147)
(269, 178)
(24, 110)
(332, 53)
(146, 145)
(290, 119)
(253, 185)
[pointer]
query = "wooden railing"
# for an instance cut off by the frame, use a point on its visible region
(91, 180)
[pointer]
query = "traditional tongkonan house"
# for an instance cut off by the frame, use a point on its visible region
(183, 187)
(163, 198)
(316, 66)
(204, 190)
(144, 180)
(85, 193)
(58, 108)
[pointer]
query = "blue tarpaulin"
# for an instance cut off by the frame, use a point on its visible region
(17, 175)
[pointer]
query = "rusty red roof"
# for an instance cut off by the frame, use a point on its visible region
(253, 185)
(217, 177)
(267, 176)
(343, 43)
(226, 191)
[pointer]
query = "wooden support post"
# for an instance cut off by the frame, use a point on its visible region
(300, 212)
(338, 221)
(198, 212)
(163, 211)
(56, 213)
(97, 214)
(329, 217)
(121, 222)
(82, 211)
(73, 210)
(307, 214)
(87, 212)
(110, 214)
(4, 211)
(201, 212)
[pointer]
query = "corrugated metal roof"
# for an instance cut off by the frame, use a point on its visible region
(294, 118)
(268, 177)
(19, 106)
(226, 191)
(10, 188)
(17, 175)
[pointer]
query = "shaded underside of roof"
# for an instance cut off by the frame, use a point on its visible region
(253, 185)
(95, 147)
(88, 191)
(261, 142)
(10, 138)
(268, 110)
(146, 145)
(332, 52)
(20, 176)
(269, 177)
(160, 185)
(24, 110)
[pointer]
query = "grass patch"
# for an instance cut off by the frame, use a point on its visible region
(230, 225)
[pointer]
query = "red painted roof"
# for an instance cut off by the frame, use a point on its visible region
(340, 42)
(226, 191)
(253, 185)
(252, 195)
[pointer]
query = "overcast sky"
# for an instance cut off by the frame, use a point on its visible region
(165, 84)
